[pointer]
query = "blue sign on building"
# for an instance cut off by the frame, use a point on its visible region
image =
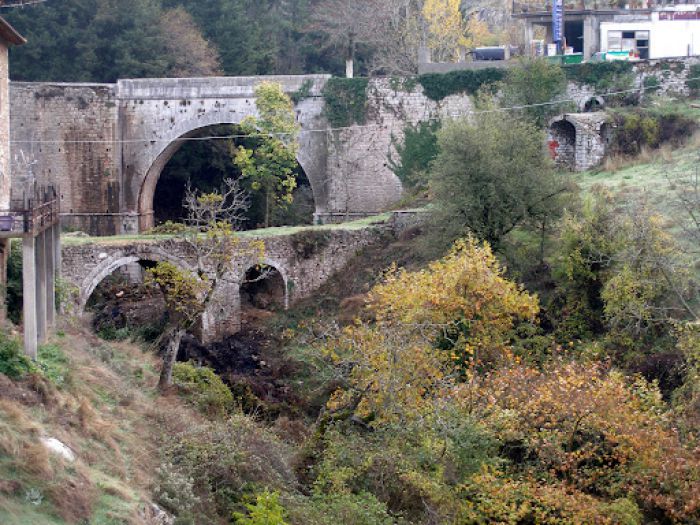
(557, 20)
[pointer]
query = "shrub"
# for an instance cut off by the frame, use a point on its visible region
(340, 508)
(437, 86)
(265, 511)
(649, 128)
(225, 462)
(492, 498)
(346, 101)
(415, 154)
(54, 364)
(694, 83)
(203, 388)
(535, 82)
(13, 362)
(167, 228)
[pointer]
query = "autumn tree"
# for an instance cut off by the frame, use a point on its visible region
(490, 177)
(191, 55)
(210, 240)
(431, 327)
(390, 30)
(270, 165)
(346, 25)
(447, 29)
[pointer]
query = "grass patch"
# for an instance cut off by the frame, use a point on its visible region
(262, 233)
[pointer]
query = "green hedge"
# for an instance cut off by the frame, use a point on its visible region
(598, 74)
(346, 101)
(694, 85)
(437, 86)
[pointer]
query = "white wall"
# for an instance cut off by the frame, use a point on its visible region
(667, 38)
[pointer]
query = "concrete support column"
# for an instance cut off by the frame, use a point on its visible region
(591, 36)
(40, 278)
(50, 254)
(29, 296)
(529, 37)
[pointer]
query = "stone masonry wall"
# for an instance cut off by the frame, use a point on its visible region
(360, 179)
(71, 132)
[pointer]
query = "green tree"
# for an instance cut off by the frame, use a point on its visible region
(102, 40)
(415, 154)
(535, 83)
(211, 241)
(266, 511)
(271, 164)
(490, 177)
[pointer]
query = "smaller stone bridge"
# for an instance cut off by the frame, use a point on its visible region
(579, 141)
(302, 262)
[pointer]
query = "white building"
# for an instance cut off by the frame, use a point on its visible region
(667, 34)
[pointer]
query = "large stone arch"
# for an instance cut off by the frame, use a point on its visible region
(150, 181)
(114, 261)
(156, 116)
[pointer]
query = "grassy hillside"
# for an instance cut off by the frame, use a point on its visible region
(98, 399)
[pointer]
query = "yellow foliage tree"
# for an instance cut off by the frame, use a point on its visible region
(454, 315)
(449, 31)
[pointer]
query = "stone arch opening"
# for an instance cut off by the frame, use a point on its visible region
(206, 161)
(594, 104)
(263, 289)
(606, 133)
(120, 302)
(562, 144)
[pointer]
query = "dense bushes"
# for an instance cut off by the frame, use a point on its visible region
(601, 75)
(644, 128)
(437, 86)
(202, 387)
(415, 153)
(210, 470)
(13, 362)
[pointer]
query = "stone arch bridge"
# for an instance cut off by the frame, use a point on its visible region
(105, 145)
(304, 261)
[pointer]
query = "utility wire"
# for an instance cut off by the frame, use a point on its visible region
(326, 130)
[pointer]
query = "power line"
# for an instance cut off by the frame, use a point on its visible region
(342, 128)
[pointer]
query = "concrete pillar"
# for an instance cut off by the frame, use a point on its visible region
(591, 36)
(529, 37)
(50, 254)
(29, 296)
(40, 278)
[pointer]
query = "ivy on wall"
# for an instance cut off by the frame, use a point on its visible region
(694, 73)
(437, 86)
(345, 101)
(601, 75)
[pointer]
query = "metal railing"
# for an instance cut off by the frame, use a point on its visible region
(523, 7)
(31, 215)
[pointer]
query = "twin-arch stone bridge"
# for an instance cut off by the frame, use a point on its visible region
(304, 262)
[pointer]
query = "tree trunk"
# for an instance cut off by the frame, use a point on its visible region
(166, 373)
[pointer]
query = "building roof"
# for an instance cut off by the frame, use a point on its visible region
(9, 34)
